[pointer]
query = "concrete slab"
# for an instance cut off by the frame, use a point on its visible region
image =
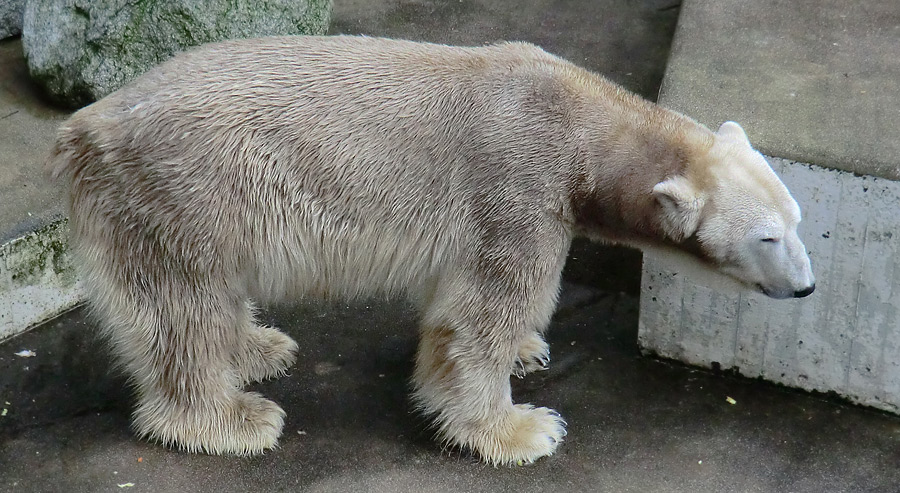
(36, 278)
(635, 424)
(811, 81)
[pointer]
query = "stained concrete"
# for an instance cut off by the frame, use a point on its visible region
(37, 278)
(810, 80)
(33, 286)
(635, 424)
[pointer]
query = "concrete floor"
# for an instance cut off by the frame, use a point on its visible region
(635, 424)
(27, 127)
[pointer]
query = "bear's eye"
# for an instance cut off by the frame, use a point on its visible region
(769, 240)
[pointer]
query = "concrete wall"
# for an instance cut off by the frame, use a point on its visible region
(37, 279)
(843, 338)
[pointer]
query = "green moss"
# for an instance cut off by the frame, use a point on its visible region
(38, 256)
(318, 17)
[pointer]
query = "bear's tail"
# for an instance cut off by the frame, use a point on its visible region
(71, 152)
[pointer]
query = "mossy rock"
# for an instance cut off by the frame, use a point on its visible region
(82, 50)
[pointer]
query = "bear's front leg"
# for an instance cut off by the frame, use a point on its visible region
(462, 380)
(471, 337)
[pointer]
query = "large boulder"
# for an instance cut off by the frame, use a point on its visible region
(81, 50)
(11, 17)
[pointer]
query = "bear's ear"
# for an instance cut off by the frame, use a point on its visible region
(681, 207)
(731, 130)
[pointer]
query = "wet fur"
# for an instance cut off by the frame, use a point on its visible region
(341, 167)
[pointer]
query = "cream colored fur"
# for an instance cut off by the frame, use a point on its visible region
(340, 167)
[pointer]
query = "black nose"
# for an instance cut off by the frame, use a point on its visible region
(806, 292)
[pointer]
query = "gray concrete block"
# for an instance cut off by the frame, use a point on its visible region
(36, 281)
(813, 81)
(844, 338)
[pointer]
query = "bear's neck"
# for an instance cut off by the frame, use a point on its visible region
(629, 146)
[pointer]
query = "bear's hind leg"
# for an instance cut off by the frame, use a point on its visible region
(175, 336)
(188, 387)
(264, 353)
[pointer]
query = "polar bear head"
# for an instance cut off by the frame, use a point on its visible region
(732, 211)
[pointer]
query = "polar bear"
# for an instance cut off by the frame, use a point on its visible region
(282, 167)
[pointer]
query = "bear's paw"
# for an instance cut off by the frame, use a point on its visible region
(528, 434)
(268, 353)
(534, 355)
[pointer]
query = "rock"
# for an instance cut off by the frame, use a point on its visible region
(82, 50)
(11, 17)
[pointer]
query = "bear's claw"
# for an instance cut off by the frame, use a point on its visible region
(534, 355)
